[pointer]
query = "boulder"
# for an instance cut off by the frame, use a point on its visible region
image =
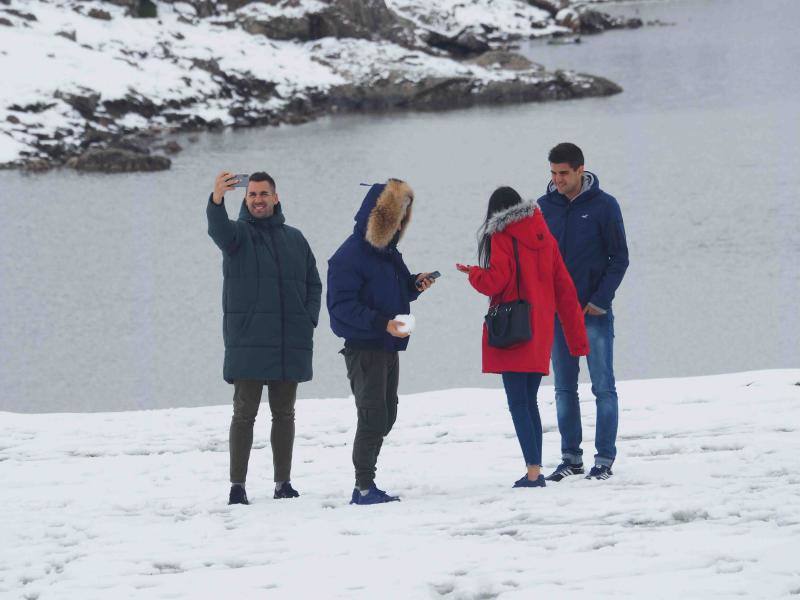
(363, 19)
(113, 160)
(551, 6)
(37, 165)
(136, 8)
(504, 59)
(588, 20)
(100, 14)
(172, 147)
(467, 42)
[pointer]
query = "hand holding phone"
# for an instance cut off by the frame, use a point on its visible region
(225, 182)
(426, 280)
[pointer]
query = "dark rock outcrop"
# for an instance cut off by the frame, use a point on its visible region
(504, 59)
(551, 6)
(114, 160)
(587, 21)
(25, 16)
(362, 19)
(100, 14)
(85, 104)
(446, 93)
(467, 42)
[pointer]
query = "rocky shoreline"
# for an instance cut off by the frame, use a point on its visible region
(116, 86)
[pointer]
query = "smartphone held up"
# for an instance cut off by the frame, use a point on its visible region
(242, 180)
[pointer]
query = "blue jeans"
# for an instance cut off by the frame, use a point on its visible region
(600, 330)
(521, 391)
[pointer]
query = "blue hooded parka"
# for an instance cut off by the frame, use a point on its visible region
(368, 282)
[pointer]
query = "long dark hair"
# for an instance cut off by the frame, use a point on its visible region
(501, 199)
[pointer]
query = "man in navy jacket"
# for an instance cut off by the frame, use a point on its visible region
(587, 222)
(368, 286)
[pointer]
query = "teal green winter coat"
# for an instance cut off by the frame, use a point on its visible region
(271, 295)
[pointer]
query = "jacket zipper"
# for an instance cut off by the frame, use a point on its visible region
(566, 229)
(280, 294)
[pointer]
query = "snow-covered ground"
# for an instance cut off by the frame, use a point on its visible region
(705, 503)
(505, 17)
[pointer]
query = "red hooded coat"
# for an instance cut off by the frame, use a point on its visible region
(544, 282)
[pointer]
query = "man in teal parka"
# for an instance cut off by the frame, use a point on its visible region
(271, 295)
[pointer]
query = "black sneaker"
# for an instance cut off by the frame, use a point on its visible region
(565, 469)
(237, 495)
(600, 472)
(524, 482)
(286, 491)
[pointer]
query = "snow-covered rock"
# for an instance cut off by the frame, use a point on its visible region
(80, 76)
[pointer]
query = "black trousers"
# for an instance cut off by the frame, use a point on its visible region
(374, 376)
(246, 399)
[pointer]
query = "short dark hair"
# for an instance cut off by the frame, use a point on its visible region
(263, 176)
(566, 152)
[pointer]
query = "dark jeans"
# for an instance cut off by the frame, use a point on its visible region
(374, 376)
(600, 330)
(246, 399)
(521, 391)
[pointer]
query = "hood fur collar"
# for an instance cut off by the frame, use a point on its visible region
(500, 220)
(392, 211)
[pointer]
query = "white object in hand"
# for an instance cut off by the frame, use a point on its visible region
(408, 323)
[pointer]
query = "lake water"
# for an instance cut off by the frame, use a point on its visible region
(111, 289)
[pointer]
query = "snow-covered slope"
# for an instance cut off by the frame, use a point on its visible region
(502, 17)
(705, 503)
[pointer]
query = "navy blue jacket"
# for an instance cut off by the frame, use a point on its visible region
(591, 237)
(368, 285)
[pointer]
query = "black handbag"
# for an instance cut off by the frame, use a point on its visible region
(509, 323)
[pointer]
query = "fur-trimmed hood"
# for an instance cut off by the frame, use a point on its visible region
(385, 209)
(523, 221)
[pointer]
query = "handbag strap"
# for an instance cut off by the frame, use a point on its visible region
(516, 259)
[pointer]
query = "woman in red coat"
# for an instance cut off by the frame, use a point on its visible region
(547, 286)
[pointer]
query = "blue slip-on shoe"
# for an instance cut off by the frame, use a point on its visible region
(524, 482)
(286, 491)
(600, 472)
(237, 495)
(373, 496)
(565, 469)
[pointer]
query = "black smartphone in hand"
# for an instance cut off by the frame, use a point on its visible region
(431, 276)
(243, 178)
